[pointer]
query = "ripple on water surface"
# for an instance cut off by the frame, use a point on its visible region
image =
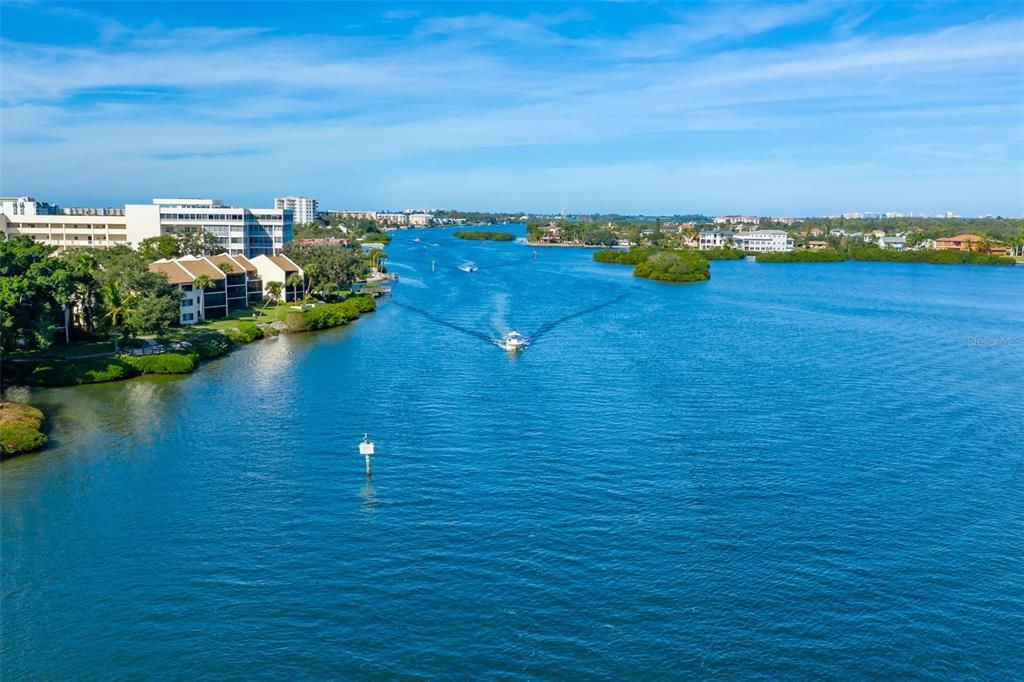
(787, 472)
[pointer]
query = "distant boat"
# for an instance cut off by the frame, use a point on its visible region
(513, 342)
(468, 267)
(417, 240)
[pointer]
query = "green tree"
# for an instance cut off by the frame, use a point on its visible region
(294, 281)
(163, 246)
(274, 295)
(203, 283)
(198, 243)
(118, 308)
(34, 288)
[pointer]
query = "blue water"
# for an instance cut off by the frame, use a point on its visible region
(788, 472)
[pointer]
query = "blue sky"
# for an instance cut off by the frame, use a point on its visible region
(798, 108)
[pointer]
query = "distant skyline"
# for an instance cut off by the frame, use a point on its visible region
(771, 109)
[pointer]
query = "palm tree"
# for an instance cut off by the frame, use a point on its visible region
(203, 282)
(294, 280)
(312, 276)
(118, 308)
(225, 268)
(273, 294)
(984, 245)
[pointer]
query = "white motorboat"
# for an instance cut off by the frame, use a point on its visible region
(468, 267)
(513, 342)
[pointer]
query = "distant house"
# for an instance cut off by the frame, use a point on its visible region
(814, 232)
(279, 269)
(896, 243)
(817, 245)
(961, 242)
(714, 239)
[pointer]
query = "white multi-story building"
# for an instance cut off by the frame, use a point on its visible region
(358, 215)
(399, 219)
(16, 207)
(737, 220)
(714, 239)
(304, 210)
(239, 231)
(68, 231)
(763, 241)
(421, 219)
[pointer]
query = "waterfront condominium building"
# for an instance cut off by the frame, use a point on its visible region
(239, 231)
(280, 269)
(236, 284)
(304, 209)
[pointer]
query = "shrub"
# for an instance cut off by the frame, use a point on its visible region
(636, 254)
(245, 332)
(21, 429)
(481, 236)
(674, 266)
(211, 345)
(330, 314)
(945, 257)
(802, 256)
(162, 363)
(723, 254)
(75, 372)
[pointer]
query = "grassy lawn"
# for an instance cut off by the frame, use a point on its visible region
(66, 351)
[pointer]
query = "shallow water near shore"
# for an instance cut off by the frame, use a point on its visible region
(790, 471)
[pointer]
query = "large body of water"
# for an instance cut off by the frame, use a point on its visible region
(788, 472)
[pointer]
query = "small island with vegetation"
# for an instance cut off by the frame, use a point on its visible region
(662, 265)
(477, 235)
(21, 429)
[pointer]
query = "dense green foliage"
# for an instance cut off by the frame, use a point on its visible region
(931, 228)
(245, 332)
(111, 290)
(330, 270)
(74, 372)
(329, 314)
(210, 345)
(483, 236)
(803, 256)
(723, 254)
(34, 289)
(21, 429)
(635, 255)
(201, 243)
(946, 257)
(871, 253)
(674, 266)
(162, 363)
(663, 265)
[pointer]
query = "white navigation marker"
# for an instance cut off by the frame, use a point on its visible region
(366, 450)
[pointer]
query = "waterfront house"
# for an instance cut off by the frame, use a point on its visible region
(961, 242)
(279, 269)
(714, 239)
(896, 242)
(763, 241)
(817, 245)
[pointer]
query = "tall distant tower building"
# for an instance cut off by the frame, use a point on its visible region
(304, 210)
